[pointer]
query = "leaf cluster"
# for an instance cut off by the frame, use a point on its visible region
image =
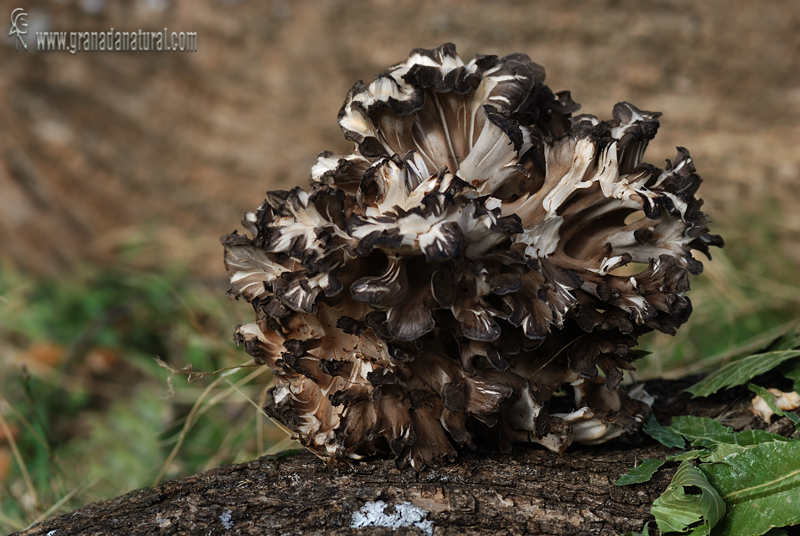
(783, 355)
(728, 482)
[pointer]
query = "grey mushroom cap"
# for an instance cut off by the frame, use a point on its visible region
(478, 270)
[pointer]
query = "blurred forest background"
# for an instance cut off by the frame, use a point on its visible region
(120, 171)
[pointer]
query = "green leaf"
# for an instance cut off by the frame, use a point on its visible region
(788, 341)
(282, 454)
(769, 399)
(690, 503)
(705, 432)
(791, 369)
(663, 434)
(760, 485)
(697, 454)
(645, 531)
(740, 371)
(641, 473)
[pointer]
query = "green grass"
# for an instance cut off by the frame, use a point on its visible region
(90, 410)
(747, 295)
(92, 415)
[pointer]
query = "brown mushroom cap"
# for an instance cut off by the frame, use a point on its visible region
(465, 275)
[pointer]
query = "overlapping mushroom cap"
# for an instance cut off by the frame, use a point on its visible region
(477, 270)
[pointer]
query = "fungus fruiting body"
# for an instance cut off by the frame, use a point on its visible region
(478, 270)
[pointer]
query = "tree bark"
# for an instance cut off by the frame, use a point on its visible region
(529, 491)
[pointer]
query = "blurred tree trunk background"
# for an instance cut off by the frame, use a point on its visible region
(153, 155)
(129, 166)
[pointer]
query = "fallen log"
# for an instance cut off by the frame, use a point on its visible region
(529, 490)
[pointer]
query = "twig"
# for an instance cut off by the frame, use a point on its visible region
(187, 426)
(25, 475)
(64, 499)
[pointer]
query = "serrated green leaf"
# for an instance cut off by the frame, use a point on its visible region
(697, 454)
(663, 434)
(740, 371)
(705, 432)
(760, 485)
(690, 503)
(641, 473)
(769, 399)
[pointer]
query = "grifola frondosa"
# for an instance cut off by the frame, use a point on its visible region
(468, 272)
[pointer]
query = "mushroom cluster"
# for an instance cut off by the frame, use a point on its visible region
(478, 270)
